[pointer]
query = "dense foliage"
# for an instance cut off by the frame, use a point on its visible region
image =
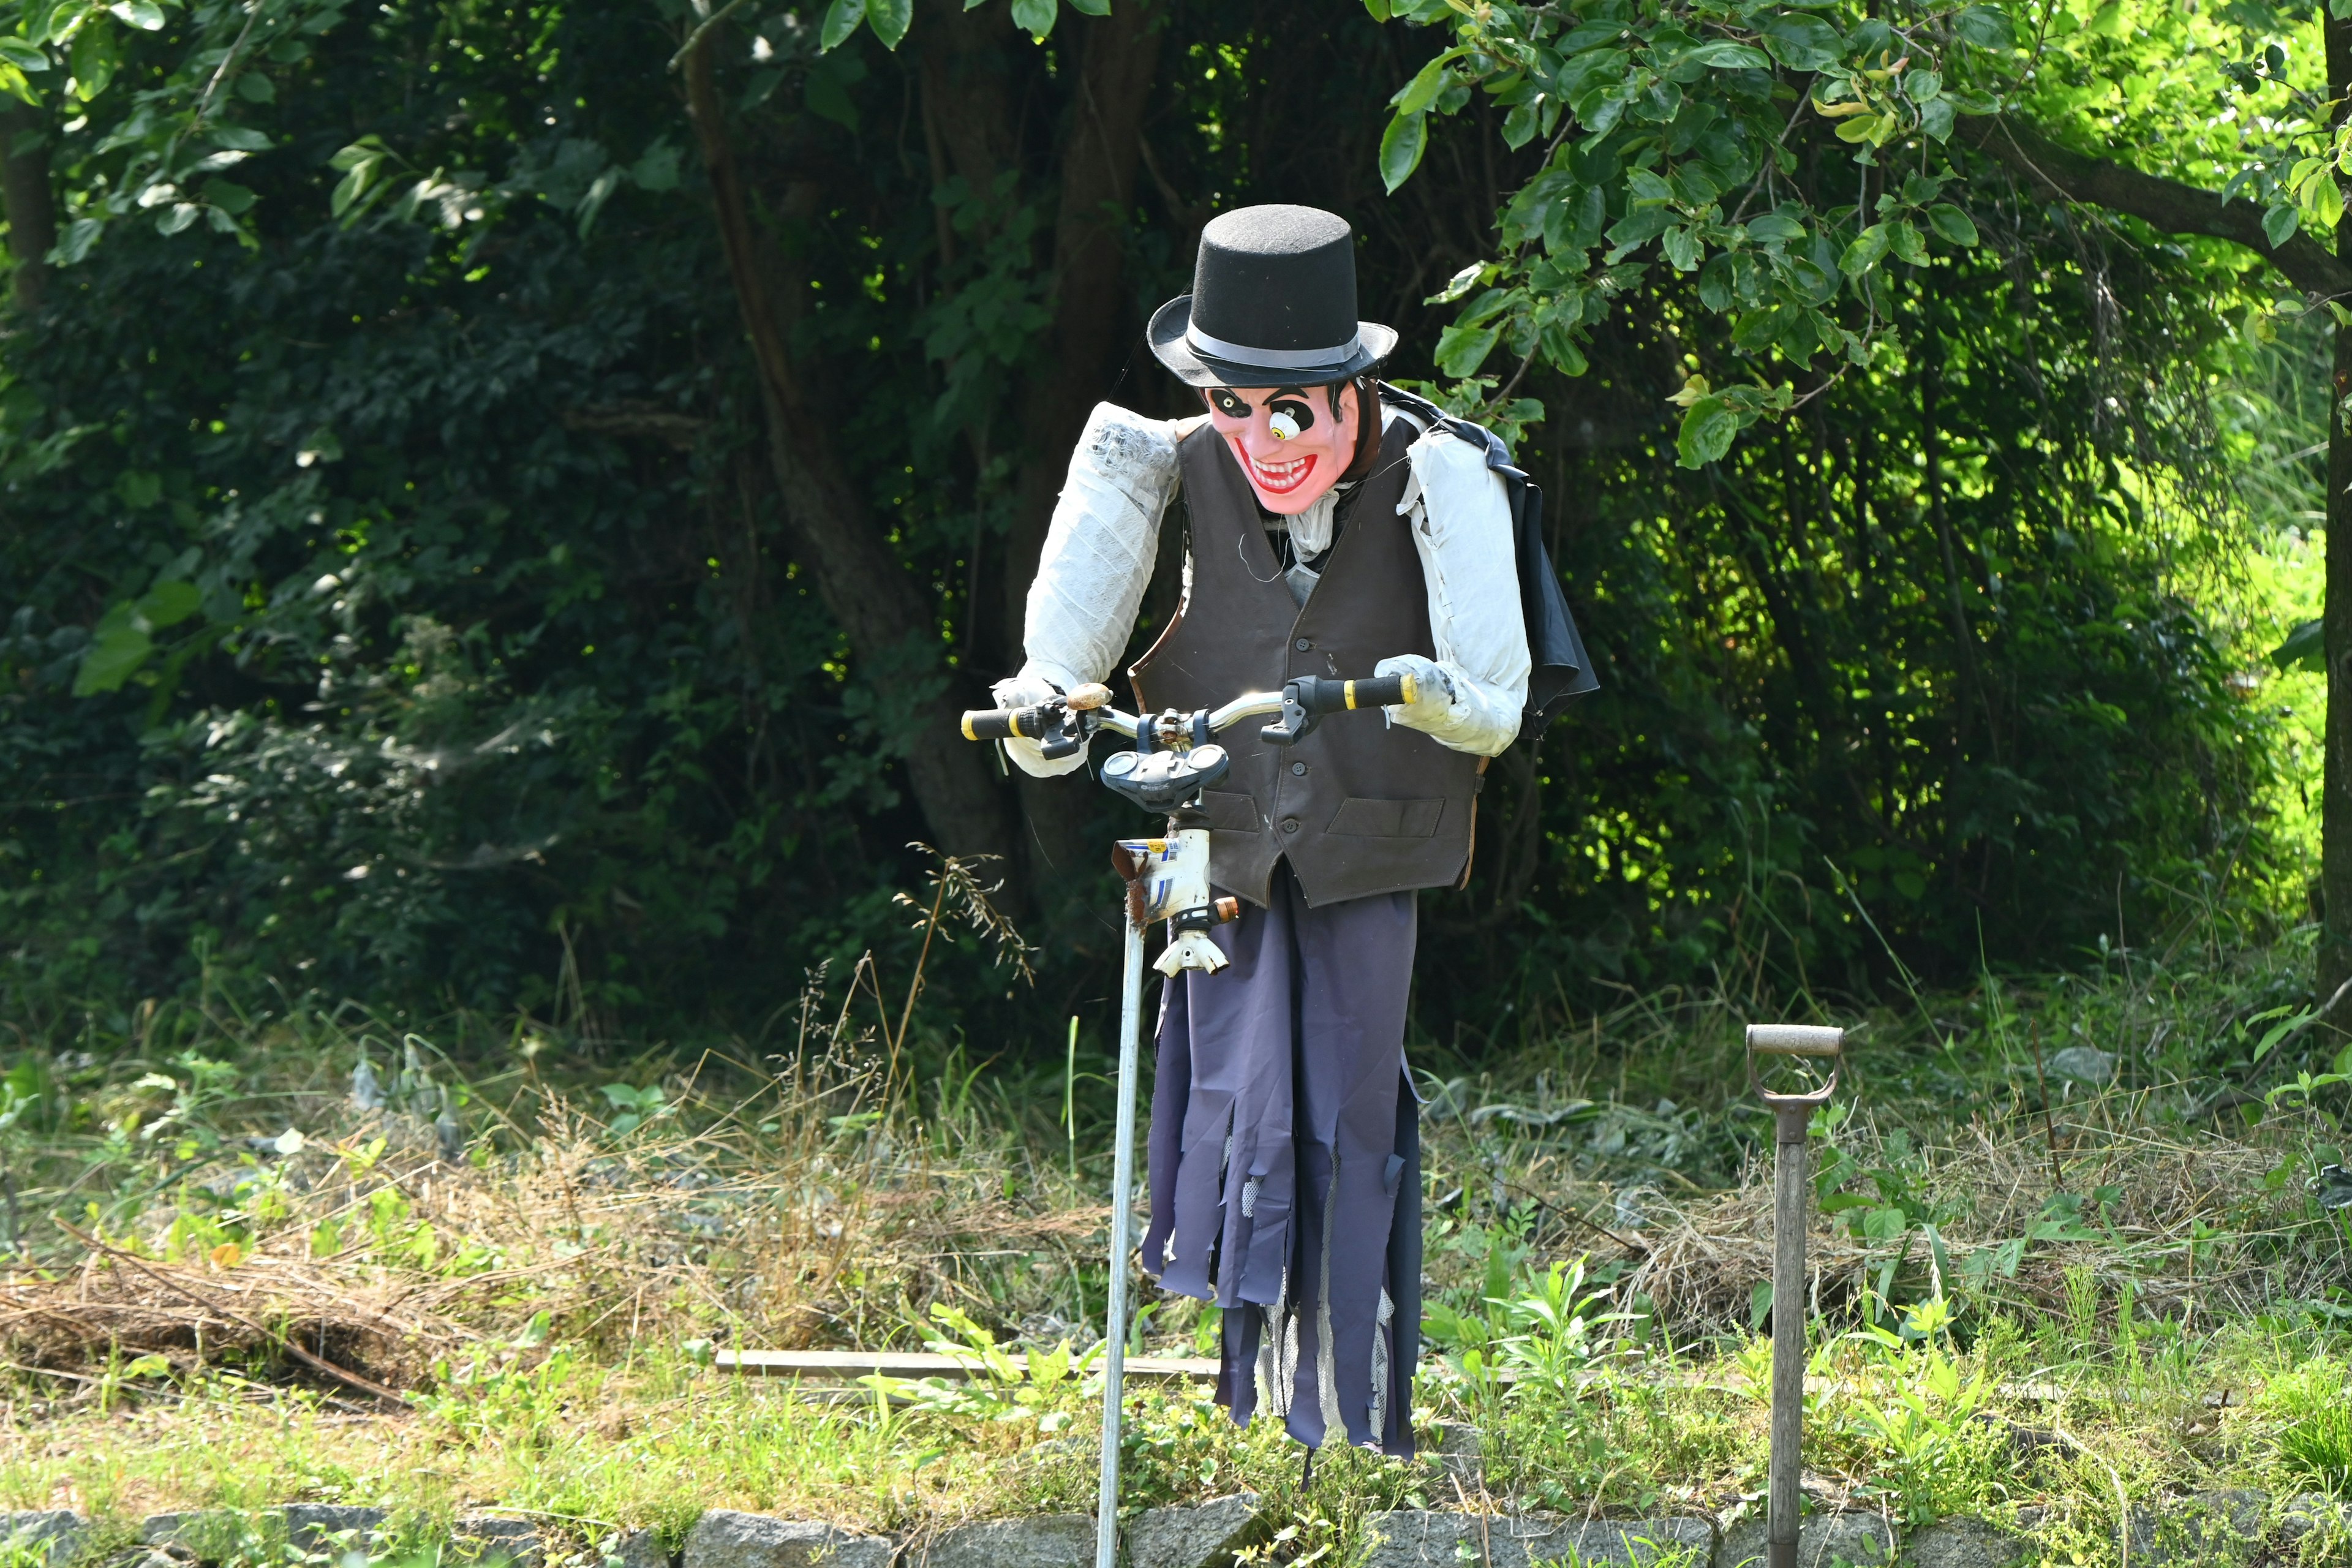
(415, 592)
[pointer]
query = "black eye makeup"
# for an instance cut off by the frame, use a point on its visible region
(1302, 413)
(1226, 404)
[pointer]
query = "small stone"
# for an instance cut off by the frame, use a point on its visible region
(1044, 1540)
(2308, 1511)
(1963, 1542)
(1206, 1535)
(489, 1538)
(724, 1538)
(2083, 1064)
(207, 1535)
(312, 1526)
(56, 1530)
(636, 1549)
(2214, 1527)
(1822, 1539)
(1414, 1538)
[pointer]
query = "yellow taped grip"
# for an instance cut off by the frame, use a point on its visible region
(1406, 689)
(967, 729)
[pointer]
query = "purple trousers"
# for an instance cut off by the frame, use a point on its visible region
(1286, 1164)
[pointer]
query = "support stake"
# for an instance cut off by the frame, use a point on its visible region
(1791, 1117)
(1122, 1227)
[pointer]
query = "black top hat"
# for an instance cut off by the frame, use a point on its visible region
(1273, 304)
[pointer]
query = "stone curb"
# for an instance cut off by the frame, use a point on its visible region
(2225, 1528)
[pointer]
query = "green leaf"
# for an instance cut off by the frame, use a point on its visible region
(657, 170)
(2323, 201)
(1864, 252)
(1091, 7)
(1379, 8)
(1725, 55)
(841, 19)
(12, 82)
(1458, 285)
(1708, 426)
(1775, 228)
(1035, 17)
(1937, 117)
(350, 188)
(167, 604)
(1803, 43)
(1427, 82)
(2279, 223)
(113, 657)
(227, 195)
(255, 87)
(94, 59)
(79, 235)
(1560, 347)
(890, 18)
(1985, 27)
(144, 15)
(1952, 223)
(1904, 240)
(2305, 647)
(1461, 350)
(1402, 145)
(22, 55)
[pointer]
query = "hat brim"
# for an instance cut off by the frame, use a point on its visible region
(1374, 343)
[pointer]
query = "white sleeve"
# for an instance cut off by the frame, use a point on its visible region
(1096, 562)
(1462, 530)
(1100, 548)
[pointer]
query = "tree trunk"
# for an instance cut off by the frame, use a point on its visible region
(2335, 957)
(1091, 343)
(870, 595)
(25, 197)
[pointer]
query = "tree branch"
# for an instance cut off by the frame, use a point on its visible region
(2053, 172)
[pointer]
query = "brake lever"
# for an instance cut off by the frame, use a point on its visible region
(1072, 728)
(1296, 722)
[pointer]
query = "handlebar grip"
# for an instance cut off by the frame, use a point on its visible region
(1318, 695)
(1002, 723)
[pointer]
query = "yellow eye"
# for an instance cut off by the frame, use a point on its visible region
(1284, 426)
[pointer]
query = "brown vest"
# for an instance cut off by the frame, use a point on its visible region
(1359, 807)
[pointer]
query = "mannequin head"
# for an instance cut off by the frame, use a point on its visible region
(1292, 442)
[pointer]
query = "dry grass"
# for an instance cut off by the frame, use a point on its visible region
(2188, 1222)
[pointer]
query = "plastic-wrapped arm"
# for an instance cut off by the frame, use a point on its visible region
(1096, 564)
(1462, 530)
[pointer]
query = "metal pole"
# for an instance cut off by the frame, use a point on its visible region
(1792, 1121)
(1122, 1226)
(1789, 1173)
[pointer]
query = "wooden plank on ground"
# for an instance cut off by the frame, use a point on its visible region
(814, 1364)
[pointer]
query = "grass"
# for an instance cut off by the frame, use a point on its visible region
(2032, 1293)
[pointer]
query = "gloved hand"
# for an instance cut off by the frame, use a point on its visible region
(1024, 691)
(1433, 697)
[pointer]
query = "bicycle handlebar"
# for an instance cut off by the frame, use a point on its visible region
(1314, 696)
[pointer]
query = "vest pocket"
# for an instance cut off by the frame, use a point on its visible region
(1231, 812)
(1365, 817)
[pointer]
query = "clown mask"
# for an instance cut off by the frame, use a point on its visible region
(1289, 440)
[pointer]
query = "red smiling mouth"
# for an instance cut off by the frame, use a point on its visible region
(1280, 478)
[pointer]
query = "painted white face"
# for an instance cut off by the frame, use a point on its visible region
(1287, 439)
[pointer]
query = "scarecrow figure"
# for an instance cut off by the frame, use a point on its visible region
(1334, 526)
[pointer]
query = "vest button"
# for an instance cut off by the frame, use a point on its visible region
(1290, 824)
(1303, 644)
(1298, 769)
